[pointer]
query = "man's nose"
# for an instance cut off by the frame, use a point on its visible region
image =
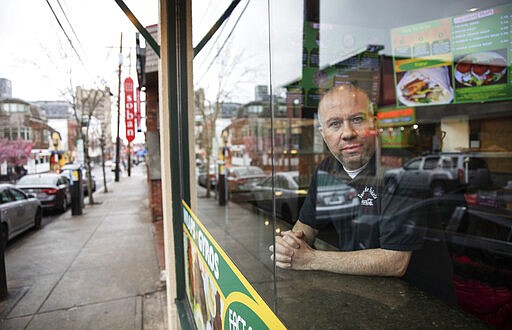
(347, 131)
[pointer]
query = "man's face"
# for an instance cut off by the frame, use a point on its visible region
(347, 127)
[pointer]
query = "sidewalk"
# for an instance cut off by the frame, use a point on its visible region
(98, 270)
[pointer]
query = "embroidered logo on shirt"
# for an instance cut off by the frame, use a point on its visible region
(367, 196)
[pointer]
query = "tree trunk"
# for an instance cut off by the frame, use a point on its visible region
(88, 170)
(105, 189)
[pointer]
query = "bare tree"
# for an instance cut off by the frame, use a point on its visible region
(231, 73)
(102, 146)
(84, 106)
(88, 104)
(207, 133)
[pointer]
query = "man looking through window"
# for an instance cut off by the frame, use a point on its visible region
(374, 239)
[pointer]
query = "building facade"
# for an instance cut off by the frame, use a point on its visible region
(60, 116)
(25, 123)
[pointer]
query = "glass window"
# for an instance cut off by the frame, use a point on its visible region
(46, 135)
(380, 133)
(431, 163)
(5, 197)
(413, 165)
(449, 162)
(18, 195)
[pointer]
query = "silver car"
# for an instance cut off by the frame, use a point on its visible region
(335, 199)
(18, 212)
(438, 174)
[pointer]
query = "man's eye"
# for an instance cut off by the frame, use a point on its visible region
(334, 124)
(357, 120)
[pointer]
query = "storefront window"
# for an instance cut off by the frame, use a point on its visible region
(379, 131)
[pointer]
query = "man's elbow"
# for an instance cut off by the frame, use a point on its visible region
(399, 264)
(401, 270)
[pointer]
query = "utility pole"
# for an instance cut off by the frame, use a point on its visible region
(118, 139)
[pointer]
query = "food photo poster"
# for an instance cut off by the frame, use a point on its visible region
(460, 59)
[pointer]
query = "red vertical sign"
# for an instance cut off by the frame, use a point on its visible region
(137, 112)
(129, 115)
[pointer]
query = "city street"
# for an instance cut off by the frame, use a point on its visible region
(98, 270)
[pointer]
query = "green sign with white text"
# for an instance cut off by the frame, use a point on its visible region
(219, 295)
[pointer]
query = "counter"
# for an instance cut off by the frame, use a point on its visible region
(322, 300)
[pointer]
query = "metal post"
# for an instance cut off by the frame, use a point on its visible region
(3, 273)
(129, 159)
(118, 139)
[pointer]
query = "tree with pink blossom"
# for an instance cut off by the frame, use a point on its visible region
(15, 153)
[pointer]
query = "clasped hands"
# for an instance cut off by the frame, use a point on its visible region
(292, 251)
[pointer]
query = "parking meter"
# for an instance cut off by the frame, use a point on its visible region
(77, 197)
(221, 184)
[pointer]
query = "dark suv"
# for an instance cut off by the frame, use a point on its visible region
(440, 173)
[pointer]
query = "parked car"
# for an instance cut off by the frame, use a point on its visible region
(438, 174)
(335, 199)
(288, 191)
(67, 171)
(52, 189)
(201, 175)
(243, 178)
(18, 212)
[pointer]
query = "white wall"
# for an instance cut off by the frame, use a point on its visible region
(457, 133)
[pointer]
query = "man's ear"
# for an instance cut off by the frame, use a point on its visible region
(373, 121)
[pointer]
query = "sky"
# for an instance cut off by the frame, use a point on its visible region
(48, 47)
(42, 59)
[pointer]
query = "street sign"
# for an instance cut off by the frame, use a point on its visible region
(129, 115)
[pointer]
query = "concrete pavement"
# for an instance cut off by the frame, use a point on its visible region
(98, 270)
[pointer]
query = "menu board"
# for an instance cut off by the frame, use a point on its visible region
(460, 59)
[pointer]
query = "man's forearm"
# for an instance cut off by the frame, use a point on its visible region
(378, 262)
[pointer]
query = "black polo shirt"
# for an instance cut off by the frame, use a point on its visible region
(376, 219)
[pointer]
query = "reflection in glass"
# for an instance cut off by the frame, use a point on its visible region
(442, 122)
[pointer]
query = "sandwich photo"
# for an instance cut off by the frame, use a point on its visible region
(425, 87)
